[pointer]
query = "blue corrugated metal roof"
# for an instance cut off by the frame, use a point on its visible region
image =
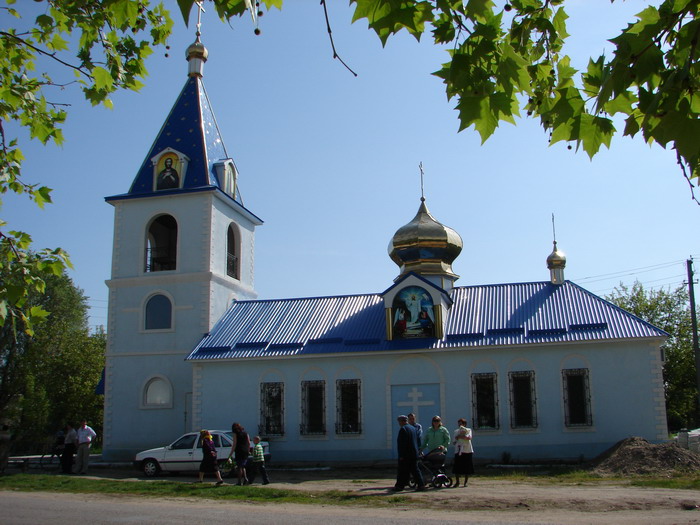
(490, 315)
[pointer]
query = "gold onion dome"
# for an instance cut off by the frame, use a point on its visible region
(425, 246)
(197, 50)
(196, 57)
(556, 259)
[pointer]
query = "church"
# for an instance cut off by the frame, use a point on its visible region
(541, 370)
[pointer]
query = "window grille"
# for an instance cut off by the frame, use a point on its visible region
(271, 409)
(485, 401)
(523, 399)
(313, 408)
(577, 398)
(348, 407)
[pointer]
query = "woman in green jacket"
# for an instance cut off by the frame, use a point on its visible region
(437, 438)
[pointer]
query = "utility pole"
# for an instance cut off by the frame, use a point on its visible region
(694, 323)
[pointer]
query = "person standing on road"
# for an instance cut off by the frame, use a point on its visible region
(258, 463)
(86, 435)
(240, 450)
(70, 442)
(464, 452)
(210, 459)
(419, 428)
(407, 447)
(437, 438)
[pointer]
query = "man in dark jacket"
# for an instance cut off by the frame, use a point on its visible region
(408, 456)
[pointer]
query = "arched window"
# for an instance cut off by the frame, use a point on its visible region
(161, 244)
(232, 251)
(157, 393)
(158, 313)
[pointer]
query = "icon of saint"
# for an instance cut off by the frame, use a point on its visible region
(168, 178)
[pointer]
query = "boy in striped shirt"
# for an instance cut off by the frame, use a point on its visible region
(258, 463)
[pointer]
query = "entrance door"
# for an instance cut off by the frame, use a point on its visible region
(422, 400)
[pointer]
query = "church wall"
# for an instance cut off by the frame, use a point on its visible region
(136, 354)
(132, 217)
(199, 295)
(624, 383)
(129, 425)
(223, 214)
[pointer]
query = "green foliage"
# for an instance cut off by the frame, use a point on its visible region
(508, 58)
(48, 378)
(670, 311)
(99, 46)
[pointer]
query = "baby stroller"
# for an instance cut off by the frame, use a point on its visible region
(432, 466)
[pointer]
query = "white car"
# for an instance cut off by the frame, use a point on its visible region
(185, 453)
(182, 455)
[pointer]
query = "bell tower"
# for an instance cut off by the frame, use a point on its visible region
(183, 250)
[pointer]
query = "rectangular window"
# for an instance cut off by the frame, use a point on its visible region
(313, 407)
(348, 407)
(577, 398)
(523, 402)
(485, 401)
(271, 409)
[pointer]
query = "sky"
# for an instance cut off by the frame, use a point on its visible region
(330, 162)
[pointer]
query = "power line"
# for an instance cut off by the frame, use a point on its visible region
(632, 271)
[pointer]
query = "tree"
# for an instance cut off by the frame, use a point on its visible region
(107, 57)
(504, 59)
(670, 311)
(508, 57)
(49, 378)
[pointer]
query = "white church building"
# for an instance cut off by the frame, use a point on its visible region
(541, 370)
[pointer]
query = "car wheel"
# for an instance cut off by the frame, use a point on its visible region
(150, 467)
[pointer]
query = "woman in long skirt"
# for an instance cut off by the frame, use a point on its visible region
(210, 461)
(464, 452)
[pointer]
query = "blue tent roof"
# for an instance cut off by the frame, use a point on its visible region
(191, 129)
(489, 315)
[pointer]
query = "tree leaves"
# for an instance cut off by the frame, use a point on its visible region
(653, 76)
(668, 310)
(48, 375)
(108, 57)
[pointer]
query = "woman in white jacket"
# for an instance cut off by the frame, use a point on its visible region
(464, 451)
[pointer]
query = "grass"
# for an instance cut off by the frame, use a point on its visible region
(160, 489)
(179, 489)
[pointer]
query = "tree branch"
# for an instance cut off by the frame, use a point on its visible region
(679, 159)
(45, 53)
(330, 36)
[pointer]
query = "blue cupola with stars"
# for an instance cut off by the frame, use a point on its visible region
(188, 153)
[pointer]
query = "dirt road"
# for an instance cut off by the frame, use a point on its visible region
(514, 502)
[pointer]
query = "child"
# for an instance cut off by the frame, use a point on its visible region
(258, 463)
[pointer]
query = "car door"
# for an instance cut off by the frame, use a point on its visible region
(179, 455)
(223, 446)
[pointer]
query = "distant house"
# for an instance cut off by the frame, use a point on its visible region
(541, 370)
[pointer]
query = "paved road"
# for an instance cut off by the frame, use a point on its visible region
(32, 508)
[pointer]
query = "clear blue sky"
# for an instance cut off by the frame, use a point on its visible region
(330, 163)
